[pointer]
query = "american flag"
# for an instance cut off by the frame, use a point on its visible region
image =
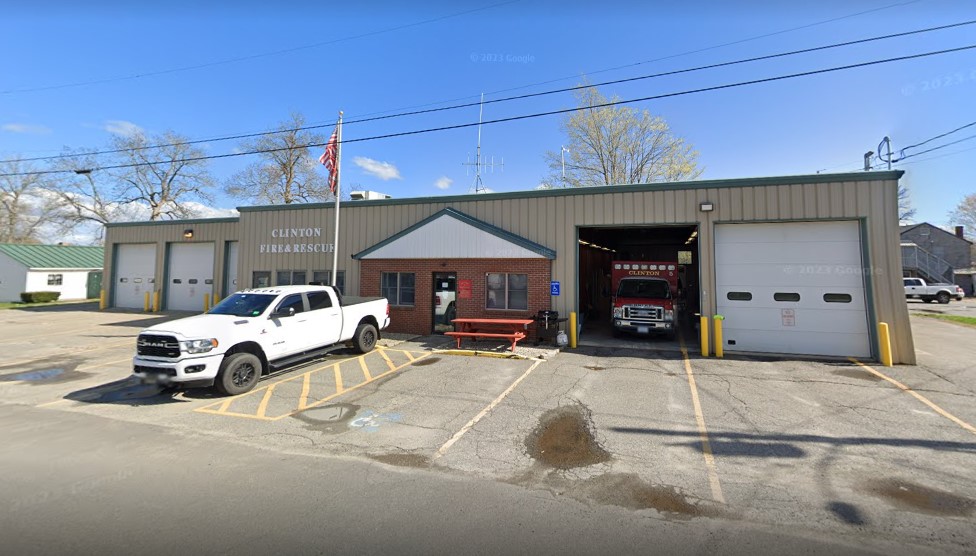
(328, 159)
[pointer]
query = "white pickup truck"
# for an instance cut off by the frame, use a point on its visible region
(255, 332)
(917, 288)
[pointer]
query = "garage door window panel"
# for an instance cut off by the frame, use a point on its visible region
(739, 296)
(790, 297)
(837, 298)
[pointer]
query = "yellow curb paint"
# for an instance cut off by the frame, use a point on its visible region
(470, 424)
(713, 481)
(919, 397)
(388, 362)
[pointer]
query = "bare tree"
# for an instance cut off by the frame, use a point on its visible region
(614, 145)
(165, 178)
(965, 215)
(906, 213)
(27, 209)
(286, 173)
(87, 199)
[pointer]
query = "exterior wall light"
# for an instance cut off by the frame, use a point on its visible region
(188, 233)
(706, 207)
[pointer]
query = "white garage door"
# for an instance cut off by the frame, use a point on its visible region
(230, 268)
(793, 287)
(135, 269)
(190, 275)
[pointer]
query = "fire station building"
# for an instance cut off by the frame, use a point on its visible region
(802, 265)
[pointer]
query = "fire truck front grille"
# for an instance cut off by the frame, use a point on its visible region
(645, 313)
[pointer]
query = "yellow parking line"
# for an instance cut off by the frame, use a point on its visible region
(702, 431)
(362, 363)
(918, 396)
(263, 406)
(408, 354)
(338, 378)
(233, 414)
(306, 385)
(225, 405)
(330, 397)
(388, 362)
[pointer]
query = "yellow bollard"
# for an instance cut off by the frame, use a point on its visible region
(102, 302)
(206, 302)
(156, 301)
(572, 330)
(145, 303)
(214, 300)
(704, 336)
(718, 335)
(884, 338)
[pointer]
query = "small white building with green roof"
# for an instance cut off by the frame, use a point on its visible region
(73, 270)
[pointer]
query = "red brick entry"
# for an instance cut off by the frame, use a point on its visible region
(418, 318)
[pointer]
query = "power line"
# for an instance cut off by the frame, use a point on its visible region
(902, 151)
(534, 115)
(935, 148)
(522, 97)
(251, 57)
(528, 116)
(938, 157)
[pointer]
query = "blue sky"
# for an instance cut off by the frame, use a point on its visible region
(379, 61)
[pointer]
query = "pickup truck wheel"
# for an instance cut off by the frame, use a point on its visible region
(365, 338)
(239, 373)
(942, 298)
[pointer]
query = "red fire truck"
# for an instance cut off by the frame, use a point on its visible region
(644, 296)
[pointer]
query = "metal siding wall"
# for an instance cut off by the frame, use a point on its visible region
(552, 222)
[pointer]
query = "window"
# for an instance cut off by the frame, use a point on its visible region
(54, 279)
(779, 296)
(837, 297)
(319, 300)
(397, 287)
(324, 277)
(739, 296)
(292, 301)
(261, 279)
(507, 291)
(290, 278)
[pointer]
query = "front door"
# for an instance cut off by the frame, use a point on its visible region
(445, 294)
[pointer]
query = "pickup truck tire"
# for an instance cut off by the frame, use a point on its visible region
(239, 373)
(942, 297)
(365, 338)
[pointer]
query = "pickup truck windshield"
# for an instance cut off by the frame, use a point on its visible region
(648, 289)
(243, 305)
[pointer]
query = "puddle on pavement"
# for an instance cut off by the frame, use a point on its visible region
(919, 498)
(595, 368)
(332, 418)
(403, 460)
(564, 439)
(46, 375)
(630, 491)
(856, 373)
(426, 361)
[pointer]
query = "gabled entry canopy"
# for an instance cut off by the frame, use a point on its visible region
(450, 234)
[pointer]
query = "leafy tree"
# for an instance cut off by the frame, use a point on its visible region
(965, 214)
(164, 177)
(27, 209)
(286, 172)
(906, 213)
(615, 145)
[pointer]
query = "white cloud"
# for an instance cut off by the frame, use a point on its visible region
(443, 182)
(25, 128)
(382, 170)
(123, 128)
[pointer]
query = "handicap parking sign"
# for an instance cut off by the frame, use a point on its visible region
(554, 288)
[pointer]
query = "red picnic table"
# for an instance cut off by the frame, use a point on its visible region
(510, 329)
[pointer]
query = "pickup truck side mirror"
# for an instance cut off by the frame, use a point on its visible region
(280, 313)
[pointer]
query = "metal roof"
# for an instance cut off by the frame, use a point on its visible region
(54, 256)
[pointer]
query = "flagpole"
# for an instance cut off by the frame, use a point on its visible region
(335, 236)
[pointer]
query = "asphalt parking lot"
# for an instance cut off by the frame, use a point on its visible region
(859, 453)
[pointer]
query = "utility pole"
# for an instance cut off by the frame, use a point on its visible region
(479, 186)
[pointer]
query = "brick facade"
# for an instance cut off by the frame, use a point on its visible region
(418, 319)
